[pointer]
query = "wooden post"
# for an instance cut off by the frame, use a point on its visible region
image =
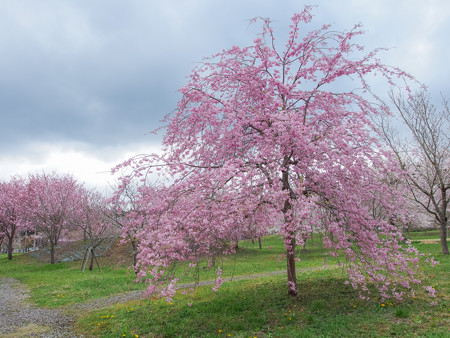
(88, 253)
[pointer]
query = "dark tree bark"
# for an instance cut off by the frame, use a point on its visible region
(52, 253)
(289, 239)
(10, 247)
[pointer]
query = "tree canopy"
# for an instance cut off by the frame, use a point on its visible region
(263, 140)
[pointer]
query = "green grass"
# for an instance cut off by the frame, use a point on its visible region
(261, 307)
(249, 260)
(256, 307)
(430, 234)
(47, 282)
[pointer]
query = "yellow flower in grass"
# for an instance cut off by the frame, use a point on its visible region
(383, 305)
(220, 330)
(112, 316)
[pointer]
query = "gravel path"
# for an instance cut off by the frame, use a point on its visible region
(20, 319)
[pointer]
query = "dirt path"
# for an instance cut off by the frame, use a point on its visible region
(428, 241)
(20, 319)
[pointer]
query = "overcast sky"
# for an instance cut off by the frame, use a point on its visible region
(83, 82)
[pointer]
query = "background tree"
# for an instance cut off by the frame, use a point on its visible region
(54, 200)
(126, 213)
(90, 218)
(263, 128)
(13, 197)
(425, 154)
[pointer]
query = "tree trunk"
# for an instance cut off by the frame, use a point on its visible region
(91, 264)
(134, 245)
(52, 253)
(134, 259)
(259, 242)
(444, 245)
(291, 273)
(289, 239)
(136, 268)
(304, 247)
(10, 247)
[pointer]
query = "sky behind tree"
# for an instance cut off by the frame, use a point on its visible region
(84, 82)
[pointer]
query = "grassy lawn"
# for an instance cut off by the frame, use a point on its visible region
(252, 260)
(430, 236)
(261, 308)
(47, 282)
(256, 307)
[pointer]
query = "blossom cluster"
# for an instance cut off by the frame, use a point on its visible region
(262, 141)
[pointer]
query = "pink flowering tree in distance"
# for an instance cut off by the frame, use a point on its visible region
(128, 211)
(90, 216)
(263, 137)
(54, 203)
(13, 206)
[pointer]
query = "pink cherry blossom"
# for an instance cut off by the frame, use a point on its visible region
(264, 140)
(13, 210)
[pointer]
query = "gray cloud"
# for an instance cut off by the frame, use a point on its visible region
(103, 73)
